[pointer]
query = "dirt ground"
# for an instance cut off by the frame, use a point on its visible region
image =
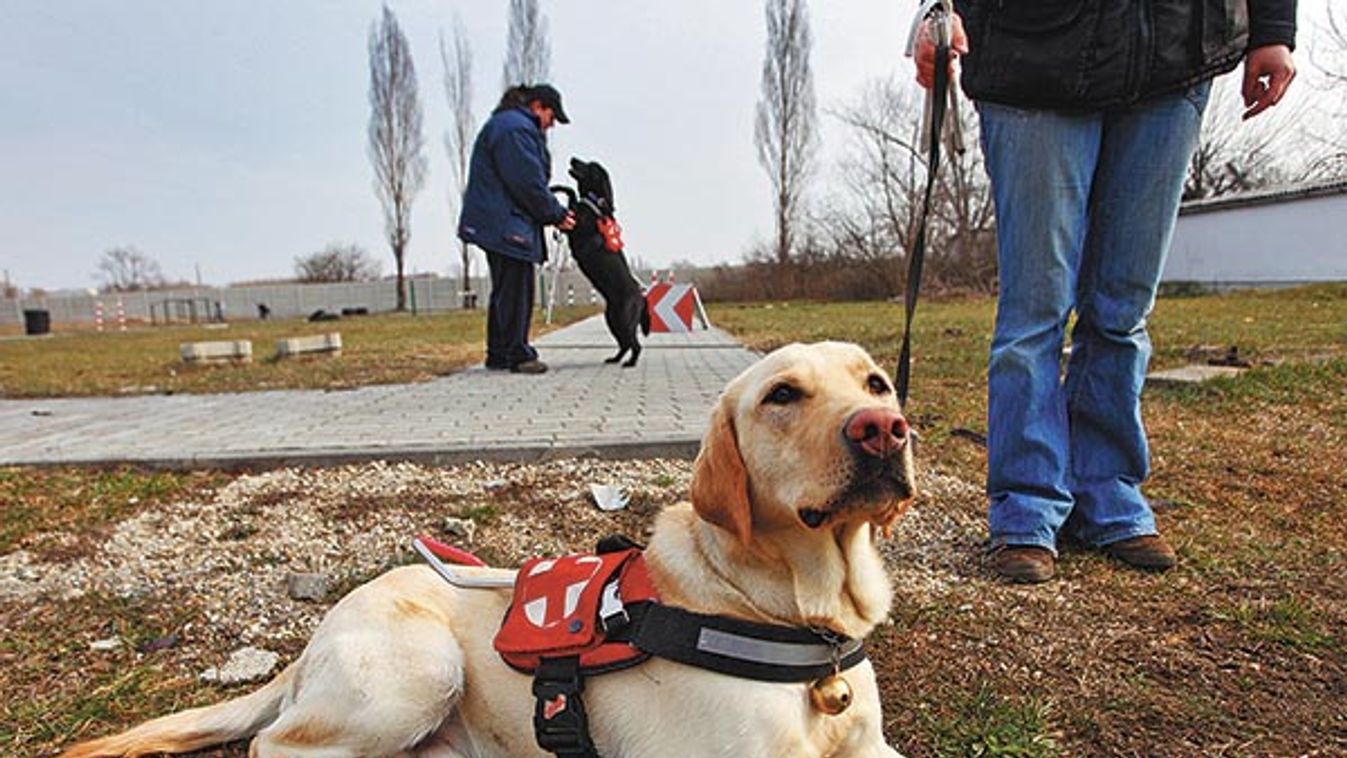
(1216, 658)
(1239, 651)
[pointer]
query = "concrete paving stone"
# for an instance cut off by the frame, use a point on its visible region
(1190, 375)
(659, 407)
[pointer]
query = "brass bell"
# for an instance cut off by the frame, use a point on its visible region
(831, 694)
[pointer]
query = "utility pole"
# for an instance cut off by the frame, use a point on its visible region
(18, 305)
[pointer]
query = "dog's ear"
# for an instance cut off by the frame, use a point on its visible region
(719, 479)
(608, 192)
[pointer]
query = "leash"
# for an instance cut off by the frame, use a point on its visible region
(558, 260)
(937, 12)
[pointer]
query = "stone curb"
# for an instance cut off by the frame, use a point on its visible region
(438, 456)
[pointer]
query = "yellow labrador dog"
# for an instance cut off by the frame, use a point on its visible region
(805, 462)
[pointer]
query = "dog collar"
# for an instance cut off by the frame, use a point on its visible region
(593, 206)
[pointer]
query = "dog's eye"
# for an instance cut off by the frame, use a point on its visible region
(878, 385)
(783, 394)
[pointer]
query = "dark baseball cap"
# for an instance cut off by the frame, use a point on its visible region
(549, 97)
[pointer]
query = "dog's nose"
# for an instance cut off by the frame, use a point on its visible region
(877, 431)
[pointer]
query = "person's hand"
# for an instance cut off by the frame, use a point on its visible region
(568, 223)
(924, 54)
(1268, 71)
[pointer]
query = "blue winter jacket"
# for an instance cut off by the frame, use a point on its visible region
(507, 201)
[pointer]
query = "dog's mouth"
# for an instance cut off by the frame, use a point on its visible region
(877, 489)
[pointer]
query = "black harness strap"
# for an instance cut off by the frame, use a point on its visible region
(939, 98)
(746, 649)
(765, 652)
(559, 721)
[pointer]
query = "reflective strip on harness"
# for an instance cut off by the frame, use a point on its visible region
(581, 615)
(775, 653)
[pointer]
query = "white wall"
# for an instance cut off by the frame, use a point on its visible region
(284, 300)
(1287, 242)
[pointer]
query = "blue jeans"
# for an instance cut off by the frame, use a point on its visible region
(1085, 208)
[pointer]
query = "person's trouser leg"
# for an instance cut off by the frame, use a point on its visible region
(509, 312)
(496, 353)
(1138, 183)
(1041, 164)
(528, 285)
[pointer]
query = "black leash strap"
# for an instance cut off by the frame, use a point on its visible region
(939, 99)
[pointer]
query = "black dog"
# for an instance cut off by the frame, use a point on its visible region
(602, 260)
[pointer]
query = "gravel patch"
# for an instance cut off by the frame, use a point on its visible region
(237, 554)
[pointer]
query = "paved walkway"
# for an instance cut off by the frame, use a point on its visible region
(581, 406)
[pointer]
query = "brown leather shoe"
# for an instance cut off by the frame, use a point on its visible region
(534, 366)
(1024, 564)
(1149, 553)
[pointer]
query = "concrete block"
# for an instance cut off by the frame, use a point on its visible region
(216, 352)
(244, 665)
(1189, 375)
(318, 343)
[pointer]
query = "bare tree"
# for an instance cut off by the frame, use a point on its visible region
(126, 269)
(337, 263)
(1234, 155)
(1324, 133)
(883, 181)
(1329, 53)
(528, 54)
(395, 137)
(785, 129)
(458, 138)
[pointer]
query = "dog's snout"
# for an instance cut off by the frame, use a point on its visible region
(877, 431)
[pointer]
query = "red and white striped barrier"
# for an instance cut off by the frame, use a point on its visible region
(673, 307)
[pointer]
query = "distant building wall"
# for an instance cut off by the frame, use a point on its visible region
(1265, 238)
(286, 300)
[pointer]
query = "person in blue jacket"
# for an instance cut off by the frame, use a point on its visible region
(505, 206)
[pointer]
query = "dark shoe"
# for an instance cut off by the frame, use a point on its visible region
(534, 366)
(1149, 553)
(497, 366)
(1024, 564)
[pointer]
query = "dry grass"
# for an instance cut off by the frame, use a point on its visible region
(1240, 651)
(378, 349)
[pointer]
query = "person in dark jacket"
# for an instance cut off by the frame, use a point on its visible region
(1089, 112)
(505, 206)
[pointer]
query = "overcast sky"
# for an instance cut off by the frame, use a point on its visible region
(229, 137)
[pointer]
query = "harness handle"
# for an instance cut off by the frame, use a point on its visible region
(560, 189)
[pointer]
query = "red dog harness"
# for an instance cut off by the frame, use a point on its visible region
(612, 233)
(565, 606)
(587, 614)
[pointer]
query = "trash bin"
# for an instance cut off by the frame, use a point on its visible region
(36, 321)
